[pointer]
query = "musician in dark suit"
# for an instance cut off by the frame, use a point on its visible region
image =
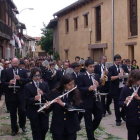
(76, 72)
(88, 84)
(50, 77)
(16, 76)
(102, 71)
(116, 85)
(6, 66)
(61, 72)
(128, 65)
(133, 109)
(64, 123)
(36, 92)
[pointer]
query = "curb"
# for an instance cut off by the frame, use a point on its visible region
(2, 102)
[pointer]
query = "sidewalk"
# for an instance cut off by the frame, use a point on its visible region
(2, 102)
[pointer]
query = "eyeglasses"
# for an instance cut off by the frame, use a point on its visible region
(37, 75)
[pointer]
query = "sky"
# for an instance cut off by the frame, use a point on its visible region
(43, 12)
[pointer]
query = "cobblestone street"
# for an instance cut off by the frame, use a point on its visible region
(107, 130)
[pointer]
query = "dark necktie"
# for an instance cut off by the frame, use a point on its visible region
(37, 84)
(118, 69)
(91, 78)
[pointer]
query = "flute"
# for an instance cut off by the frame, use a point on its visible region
(46, 105)
(38, 89)
(129, 101)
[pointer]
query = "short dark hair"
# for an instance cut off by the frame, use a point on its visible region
(127, 60)
(74, 65)
(77, 57)
(117, 56)
(89, 62)
(33, 71)
(103, 56)
(134, 60)
(21, 62)
(51, 64)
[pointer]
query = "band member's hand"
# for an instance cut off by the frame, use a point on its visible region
(37, 97)
(136, 96)
(17, 77)
(96, 83)
(127, 99)
(92, 88)
(120, 74)
(47, 104)
(12, 82)
(106, 73)
(41, 92)
(59, 101)
(101, 79)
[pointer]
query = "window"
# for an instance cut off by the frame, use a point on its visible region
(98, 23)
(133, 18)
(86, 21)
(67, 25)
(75, 24)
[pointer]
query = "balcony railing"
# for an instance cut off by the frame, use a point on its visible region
(5, 30)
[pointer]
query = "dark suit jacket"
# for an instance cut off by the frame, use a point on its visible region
(30, 93)
(75, 78)
(88, 97)
(62, 118)
(8, 75)
(59, 75)
(97, 70)
(133, 109)
(51, 81)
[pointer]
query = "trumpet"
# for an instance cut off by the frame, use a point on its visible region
(46, 105)
(129, 101)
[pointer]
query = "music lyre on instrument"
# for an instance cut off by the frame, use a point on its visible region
(46, 105)
(14, 86)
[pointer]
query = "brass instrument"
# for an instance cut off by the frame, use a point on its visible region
(104, 77)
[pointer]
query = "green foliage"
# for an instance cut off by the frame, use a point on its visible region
(46, 41)
(56, 56)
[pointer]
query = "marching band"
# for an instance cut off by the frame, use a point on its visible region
(35, 87)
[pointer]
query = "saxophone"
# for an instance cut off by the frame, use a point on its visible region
(104, 78)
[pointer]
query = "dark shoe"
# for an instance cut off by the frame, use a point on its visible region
(118, 123)
(103, 115)
(109, 112)
(24, 130)
(13, 133)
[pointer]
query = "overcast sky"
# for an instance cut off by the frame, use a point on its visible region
(43, 12)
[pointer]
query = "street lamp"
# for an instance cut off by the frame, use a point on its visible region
(26, 9)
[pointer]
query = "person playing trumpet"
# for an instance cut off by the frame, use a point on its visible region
(35, 92)
(132, 110)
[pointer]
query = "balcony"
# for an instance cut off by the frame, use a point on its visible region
(5, 31)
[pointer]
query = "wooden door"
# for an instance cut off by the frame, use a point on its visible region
(96, 54)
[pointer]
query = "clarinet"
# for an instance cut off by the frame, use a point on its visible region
(38, 89)
(96, 93)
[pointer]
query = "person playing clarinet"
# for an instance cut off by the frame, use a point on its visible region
(130, 99)
(36, 92)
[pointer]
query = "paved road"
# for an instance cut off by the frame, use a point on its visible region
(107, 130)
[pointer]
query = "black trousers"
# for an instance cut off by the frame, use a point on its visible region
(133, 131)
(119, 112)
(106, 101)
(20, 106)
(65, 136)
(92, 125)
(39, 126)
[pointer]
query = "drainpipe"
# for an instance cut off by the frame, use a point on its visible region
(112, 31)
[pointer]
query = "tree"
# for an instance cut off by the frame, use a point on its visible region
(46, 41)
